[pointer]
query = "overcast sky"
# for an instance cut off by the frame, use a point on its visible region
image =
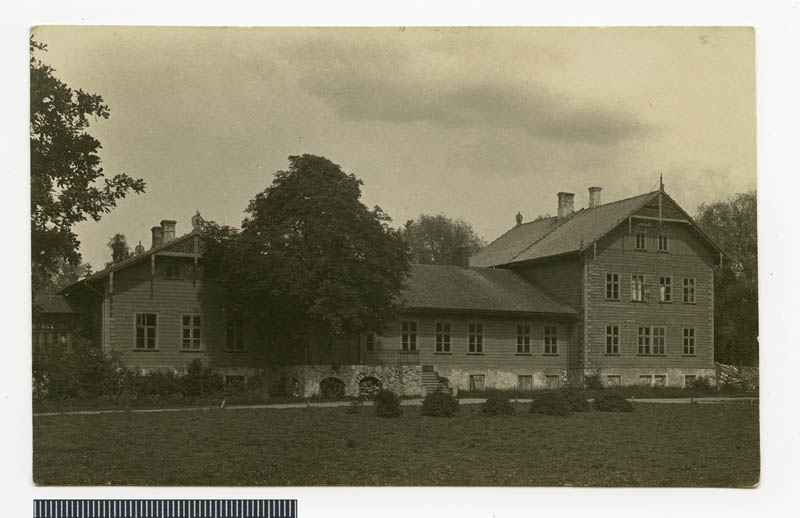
(472, 123)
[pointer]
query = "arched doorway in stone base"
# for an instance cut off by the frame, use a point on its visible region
(331, 388)
(368, 386)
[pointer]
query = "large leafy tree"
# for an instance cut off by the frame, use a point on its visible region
(437, 239)
(311, 260)
(67, 183)
(119, 248)
(733, 225)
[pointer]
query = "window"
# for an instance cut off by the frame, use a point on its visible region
(637, 287)
(659, 340)
(550, 339)
(234, 334)
(552, 381)
(369, 341)
(173, 270)
(235, 380)
(146, 327)
(688, 290)
(613, 380)
(663, 244)
(523, 339)
(665, 289)
(612, 339)
(688, 340)
(190, 332)
(689, 380)
(525, 383)
(442, 337)
(644, 340)
(646, 380)
(409, 335)
(612, 286)
(660, 380)
(641, 242)
(476, 382)
(476, 338)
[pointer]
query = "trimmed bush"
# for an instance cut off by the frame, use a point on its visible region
(593, 381)
(497, 404)
(612, 402)
(551, 403)
(577, 401)
(387, 404)
(440, 404)
(200, 380)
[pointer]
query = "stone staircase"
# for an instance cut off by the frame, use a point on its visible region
(431, 382)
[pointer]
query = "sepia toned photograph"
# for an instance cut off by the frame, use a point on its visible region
(396, 256)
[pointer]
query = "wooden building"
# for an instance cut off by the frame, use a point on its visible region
(622, 290)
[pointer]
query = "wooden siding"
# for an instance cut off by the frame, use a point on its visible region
(560, 278)
(137, 291)
(499, 342)
(687, 257)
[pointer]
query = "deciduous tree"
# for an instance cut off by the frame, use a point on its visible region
(67, 183)
(119, 248)
(733, 225)
(311, 259)
(436, 239)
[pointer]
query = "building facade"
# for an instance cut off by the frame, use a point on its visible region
(623, 291)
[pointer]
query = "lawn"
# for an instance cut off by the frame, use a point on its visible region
(656, 445)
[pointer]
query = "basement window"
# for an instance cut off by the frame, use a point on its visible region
(552, 381)
(525, 382)
(477, 382)
(613, 380)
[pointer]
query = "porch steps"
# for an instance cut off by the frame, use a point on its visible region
(431, 383)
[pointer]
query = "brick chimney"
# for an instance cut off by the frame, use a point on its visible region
(158, 236)
(462, 257)
(168, 229)
(566, 204)
(594, 197)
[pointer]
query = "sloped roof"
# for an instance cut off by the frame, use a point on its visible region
(551, 237)
(54, 304)
(476, 290)
(134, 259)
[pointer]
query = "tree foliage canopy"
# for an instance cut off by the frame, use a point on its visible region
(733, 226)
(119, 248)
(65, 169)
(436, 239)
(311, 257)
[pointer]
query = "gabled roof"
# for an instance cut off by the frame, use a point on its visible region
(54, 304)
(553, 237)
(134, 259)
(486, 290)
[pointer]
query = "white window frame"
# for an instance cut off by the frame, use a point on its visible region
(192, 330)
(612, 339)
(638, 282)
(550, 340)
(643, 237)
(475, 377)
(612, 286)
(644, 341)
(528, 378)
(136, 329)
(475, 337)
(523, 338)
(665, 288)
(408, 338)
(689, 289)
(442, 336)
(663, 243)
(658, 342)
(689, 335)
(660, 376)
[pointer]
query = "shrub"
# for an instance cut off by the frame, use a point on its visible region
(497, 404)
(440, 404)
(612, 402)
(701, 384)
(200, 380)
(593, 381)
(551, 403)
(85, 371)
(387, 404)
(577, 400)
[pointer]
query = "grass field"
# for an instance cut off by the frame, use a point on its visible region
(657, 445)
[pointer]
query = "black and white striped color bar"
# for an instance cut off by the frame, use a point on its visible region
(165, 509)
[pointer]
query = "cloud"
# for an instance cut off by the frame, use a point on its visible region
(382, 82)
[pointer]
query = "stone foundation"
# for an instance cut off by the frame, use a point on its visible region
(675, 377)
(504, 379)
